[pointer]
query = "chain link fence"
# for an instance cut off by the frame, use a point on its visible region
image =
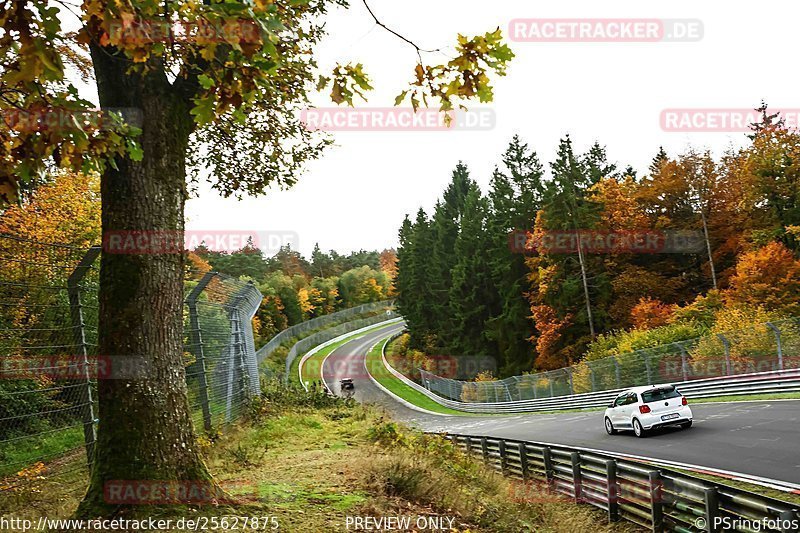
(49, 360)
(768, 347)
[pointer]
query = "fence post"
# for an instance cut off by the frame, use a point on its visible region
(612, 490)
(234, 354)
(684, 363)
(592, 376)
(656, 501)
(571, 383)
(469, 445)
(484, 450)
(726, 343)
(79, 336)
(647, 369)
(576, 475)
(777, 332)
(523, 460)
(711, 500)
(617, 373)
(196, 341)
(550, 380)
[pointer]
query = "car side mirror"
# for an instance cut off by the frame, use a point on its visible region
(611, 405)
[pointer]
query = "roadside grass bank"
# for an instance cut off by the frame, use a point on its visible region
(382, 375)
(311, 461)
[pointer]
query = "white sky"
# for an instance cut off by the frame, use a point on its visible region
(357, 194)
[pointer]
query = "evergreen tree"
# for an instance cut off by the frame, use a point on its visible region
(471, 289)
(515, 197)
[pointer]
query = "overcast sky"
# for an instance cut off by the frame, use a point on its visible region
(357, 194)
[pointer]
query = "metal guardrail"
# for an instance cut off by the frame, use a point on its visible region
(756, 383)
(655, 498)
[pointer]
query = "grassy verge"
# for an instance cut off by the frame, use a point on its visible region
(382, 375)
(311, 461)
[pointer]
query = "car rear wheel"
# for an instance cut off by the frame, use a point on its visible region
(638, 430)
(610, 427)
(686, 425)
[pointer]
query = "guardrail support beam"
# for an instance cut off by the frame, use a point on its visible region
(656, 501)
(547, 461)
(711, 500)
(577, 483)
(501, 445)
(523, 461)
(612, 490)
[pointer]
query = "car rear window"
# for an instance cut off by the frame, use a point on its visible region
(656, 395)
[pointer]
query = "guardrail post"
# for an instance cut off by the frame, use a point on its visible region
(501, 445)
(469, 445)
(789, 519)
(612, 490)
(547, 461)
(484, 449)
(523, 460)
(656, 501)
(777, 332)
(711, 500)
(79, 336)
(727, 345)
(576, 475)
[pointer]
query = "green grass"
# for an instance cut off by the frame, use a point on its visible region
(382, 375)
(18, 454)
(313, 365)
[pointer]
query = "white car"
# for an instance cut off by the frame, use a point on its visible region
(644, 408)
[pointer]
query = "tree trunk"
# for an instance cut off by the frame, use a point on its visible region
(145, 431)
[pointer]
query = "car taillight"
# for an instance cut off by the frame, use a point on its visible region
(644, 409)
(684, 401)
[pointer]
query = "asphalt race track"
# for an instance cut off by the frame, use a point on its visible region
(755, 438)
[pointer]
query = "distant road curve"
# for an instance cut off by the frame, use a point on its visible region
(760, 439)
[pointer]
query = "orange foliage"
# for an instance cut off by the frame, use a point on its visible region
(651, 313)
(768, 277)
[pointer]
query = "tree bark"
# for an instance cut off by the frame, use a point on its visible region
(145, 431)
